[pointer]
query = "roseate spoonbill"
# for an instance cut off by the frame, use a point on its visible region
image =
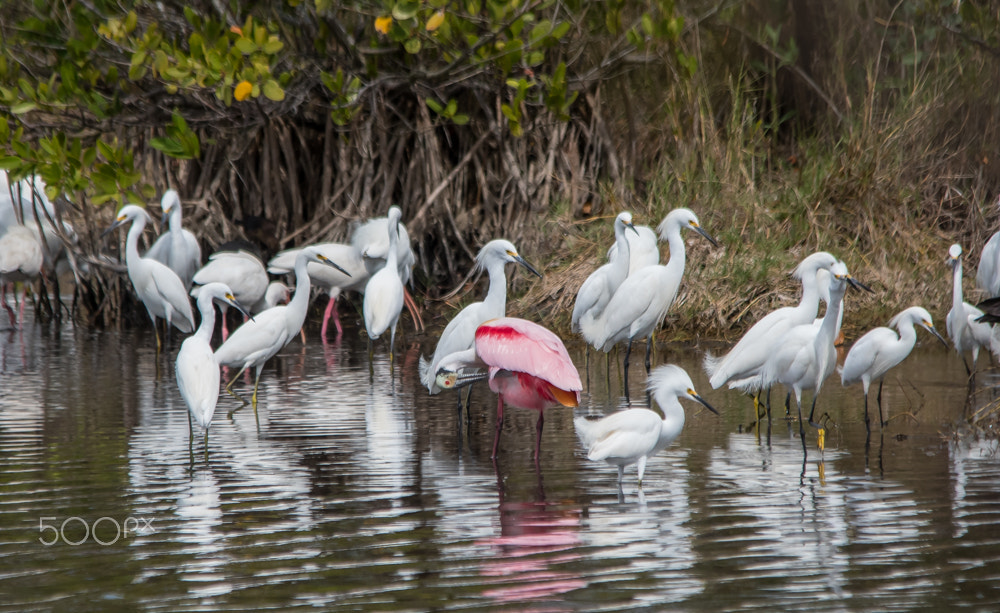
(643, 249)
(20, 262)
(643, 299)
(526, 364)
(24, 203)
(177, 248)
(460, 333)
(988, 271)
(965, 332)
(196, 368)
(882, 348)
(241, 271)
(634, 435)
(258, 340)
(805, 356)
(384, 292)
(597, 289)
(159, 288)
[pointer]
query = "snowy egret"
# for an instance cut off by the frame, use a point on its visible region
(20, 262)
(988, 271)
(643, 249)
(633, 436)
(742, 363)
(526, 364)
(384, 291)
(276, 293)
(241, 271)
(597, 289)
(258, 340)
(965, 332)
(196, 367)
(881, 349)
(24, 203)
(805, 356)
(460, 333)
(159, 288)
(371, 240)
(643, 299)
(177, 248)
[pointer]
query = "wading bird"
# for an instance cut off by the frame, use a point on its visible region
(196, 367)
(881, 349)
(633, 436)
(177, 248)
(384, 292)
(643, 249)
(258, 340)
(526, 365)
(241, 271)
(643, 299)
(159, 288)
(20, 262)
(965, 332)
(988, 271)
(597, 289)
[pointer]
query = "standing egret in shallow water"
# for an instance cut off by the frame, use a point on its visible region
(643, 299)
(460, 333)
(597, 289)
(633, 436)
(21, 261)
(258, 340)
(178, 248)
(881, 349)
(643, 249)
(384, 292)
(159, 288)
(527, 366)
(196, 367)
(965, 332)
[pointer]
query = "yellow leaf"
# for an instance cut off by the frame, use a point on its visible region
(243, 89)
(382, 24)
(435, 21)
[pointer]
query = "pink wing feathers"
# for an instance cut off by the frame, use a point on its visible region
(519, 345)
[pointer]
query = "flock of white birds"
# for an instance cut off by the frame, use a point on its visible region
(621, 302)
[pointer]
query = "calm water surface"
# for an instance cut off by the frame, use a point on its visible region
(361, 492)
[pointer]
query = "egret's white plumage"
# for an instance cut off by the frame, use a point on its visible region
(25, 203)
(276, 293)
(384, 292)
(965, 332)
(159, 288)
(988, 271)
(460, 333)
(643, 299)
(196, 367)
(643, 249)
(258, 340)
(20, 262)
(371, 240)
(882, 348)
(634, 435)
(241, 271)
(741, 365)
(597, 289)
(177, 248)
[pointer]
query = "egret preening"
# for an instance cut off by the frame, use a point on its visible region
(805, 355)
(20, 262)
(258, 340)
(633, 436)
(526, 364)
(196, 367)
(384, 292)
(881, 349)
(159, 288)
(643, 299)
(177, 248)
(460, 333)
(241, 271)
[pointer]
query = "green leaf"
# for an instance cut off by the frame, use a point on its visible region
(434, 105)
(245, 45)
(412, 45)
(405, 9)
(23, 107)
(273, 91)
(460, 119)
(273, 46)
(10, 162)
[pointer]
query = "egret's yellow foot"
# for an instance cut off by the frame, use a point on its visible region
(821, 441)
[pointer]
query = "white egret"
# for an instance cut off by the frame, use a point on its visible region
(258, 340)
(460, 333)
(742, 363)
(20, 262)
(643, 299)
(371, 240)
(882, 348)
(633, 436)
(384, 292)
(597, 289)
(965, 332)
(804, 356)
(196, 367)
(177, 248)
(643, 249)
(988, 271)
(159, 288)
(276, 293)
(24, 203)
(241, 271)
